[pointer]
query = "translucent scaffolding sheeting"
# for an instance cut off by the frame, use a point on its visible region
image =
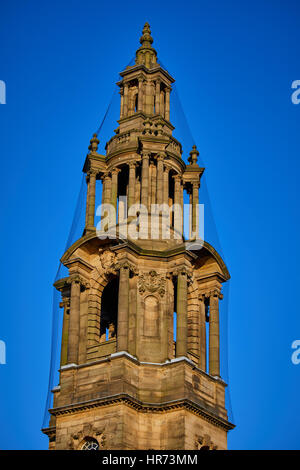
(104, 133)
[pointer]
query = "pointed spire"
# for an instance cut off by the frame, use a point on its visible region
(146, 54)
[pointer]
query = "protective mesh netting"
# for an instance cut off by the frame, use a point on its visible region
(105, 131)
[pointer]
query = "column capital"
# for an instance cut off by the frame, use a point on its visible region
(92, 172)
(115, 171)
(105, 176)
(160, 156)
(125, 264)
(131, 165)
(77, 279)
(177, 177)
(65, 303)
(145, 155)
(211, 293)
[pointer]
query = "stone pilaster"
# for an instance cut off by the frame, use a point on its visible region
(195, 216)
(167, 104)
(181, 340)
(145, 179)
(123, 307)
(106, 195)
(162, 103)
(202, 334)
(177, 202)
(65, 304)
(122, 103)
(91, 199)
(157, 97)
(140, 95)
(125, 100)
(131, 185)
(87, 178)
(159, 179)
(114, 189)
(214, 335)
(153, 174)
(74, 322)
(166, 185)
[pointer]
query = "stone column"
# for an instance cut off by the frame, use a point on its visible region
(123, 305)
(92, 197)
(131, 185)
(159, 179)
(181, 340)
(190, 214)
(114, 189)
(167, 105)
(202, 334)
(125, 102)
(140, 95)
(214, 335)
(106, 194)
(162, 103)
(195, 215)
(177, 202)
(157, 96)
(166, 185)
(181, 203)
(145, 179)
(122, 104)
(152, 185)
(65, 331)
(74, 322)
(87, 201)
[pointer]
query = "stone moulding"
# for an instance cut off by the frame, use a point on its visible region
(144, 408)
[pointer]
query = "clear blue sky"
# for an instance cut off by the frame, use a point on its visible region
(234, 62)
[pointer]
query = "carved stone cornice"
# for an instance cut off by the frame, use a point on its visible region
(187, 404)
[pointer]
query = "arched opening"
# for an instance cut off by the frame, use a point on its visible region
(136, 103)
(109, 310)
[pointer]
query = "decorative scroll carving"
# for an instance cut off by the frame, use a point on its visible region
(204, 443)
(108, 260)
(89, 431)
(152, 282)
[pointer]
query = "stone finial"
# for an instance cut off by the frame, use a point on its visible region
(193, 155)
(146, 54)
(94, 142)
(146, 40)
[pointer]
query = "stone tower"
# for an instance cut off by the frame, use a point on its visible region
(131, 377)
